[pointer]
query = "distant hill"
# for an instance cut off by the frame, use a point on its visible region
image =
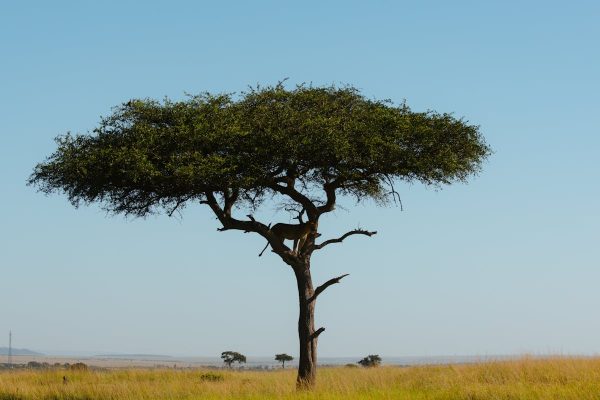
(19, 352)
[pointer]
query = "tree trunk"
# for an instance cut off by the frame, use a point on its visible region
(307, 367)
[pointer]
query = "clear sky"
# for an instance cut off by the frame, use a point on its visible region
(509, 263)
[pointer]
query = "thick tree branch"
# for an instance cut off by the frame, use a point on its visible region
(324, 286)
(344, 236)
(228, 222)
(317, 333)
(330, 189)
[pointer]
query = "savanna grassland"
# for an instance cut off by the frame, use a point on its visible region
(527, 378)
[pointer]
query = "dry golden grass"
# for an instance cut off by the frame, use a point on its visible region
(555, 378)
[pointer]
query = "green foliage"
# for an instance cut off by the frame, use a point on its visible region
(372, 360)
(229, 357)
(150, 156)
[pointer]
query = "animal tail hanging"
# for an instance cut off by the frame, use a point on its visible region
(263, 250)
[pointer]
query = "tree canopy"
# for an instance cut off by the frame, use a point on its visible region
(151, 155)
(229, 357)
(283, 358)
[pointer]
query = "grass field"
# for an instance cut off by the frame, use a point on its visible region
(554, 378)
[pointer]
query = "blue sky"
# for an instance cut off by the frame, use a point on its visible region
(506, 264)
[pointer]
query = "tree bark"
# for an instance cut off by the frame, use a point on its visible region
(307, 366)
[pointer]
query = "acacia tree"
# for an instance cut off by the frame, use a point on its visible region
(302, 148)
(229, 357)
(372, 360)
(282, 358)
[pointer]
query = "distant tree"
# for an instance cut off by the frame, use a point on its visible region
(372, 360)
(302, 149)
(282, 358)
(79, 366)
(229, 357)
(34, 365)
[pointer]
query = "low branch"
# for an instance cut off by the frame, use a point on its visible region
(230, 223)
(317, 333)
(344, 236)
(249, 226)
(324, 286)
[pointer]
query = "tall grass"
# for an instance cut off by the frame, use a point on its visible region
(555, 378)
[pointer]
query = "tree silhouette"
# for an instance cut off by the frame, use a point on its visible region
(372, 360)
(282, 358)
(229, 357)
(300, 148)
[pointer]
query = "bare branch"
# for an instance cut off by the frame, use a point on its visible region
(293, 208)
(317, 333)
(298, 197)
(324, 286)
(344, 236)
(177, 205)
(394, 193)
(300, 214)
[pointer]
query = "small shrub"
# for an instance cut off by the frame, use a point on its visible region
(79, 367)
(11, 396)
(351, 366)
(35, 365)
(211, 377)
